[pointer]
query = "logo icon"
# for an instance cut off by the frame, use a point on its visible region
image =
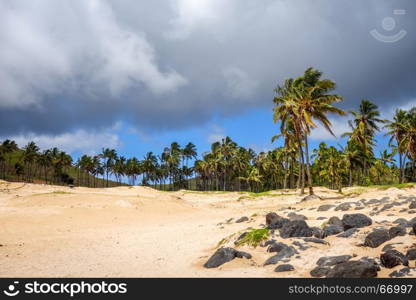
(11, 290)
(389, 24)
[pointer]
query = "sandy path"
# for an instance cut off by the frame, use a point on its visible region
(139, 232)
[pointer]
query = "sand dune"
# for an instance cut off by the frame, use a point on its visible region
(141, 232)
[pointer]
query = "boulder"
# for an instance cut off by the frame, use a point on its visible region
(376, 238)
(393, 258)
(240, 238)
(302, 247)
(328, 261)
(315, 240)
(354, 269)
(334, 221)
(343, 206)
(276, 247)
(296, 228)
(400, 273)
(317, 232)
(283, 254)
(319, 271)
(411, 254)
(412, 205)
(325, 207)
(284, 268)
(388, 247)
(294, 216)
(310, 197)
(223, 255)
(332, 230)
(355, 221)
(274, 221)
(401, 221)
(397, 231)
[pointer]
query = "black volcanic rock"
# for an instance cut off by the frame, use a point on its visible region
(354, 269)
(355, 221)
(393, 258)
(223, 255)
(297, 228)
(376, 238)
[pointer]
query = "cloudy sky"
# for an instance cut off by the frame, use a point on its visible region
(137, 75)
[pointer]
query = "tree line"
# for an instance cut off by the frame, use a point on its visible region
(300, 105)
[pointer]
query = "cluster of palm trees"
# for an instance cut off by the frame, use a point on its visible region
(169, 170)
(29, 164)
(301, 105)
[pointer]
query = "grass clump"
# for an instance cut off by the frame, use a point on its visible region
(254, 237)
(397, 185)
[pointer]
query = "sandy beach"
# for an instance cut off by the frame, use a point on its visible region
(56, 231)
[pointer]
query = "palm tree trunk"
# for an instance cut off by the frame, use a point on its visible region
(308, 169)
(301, 169)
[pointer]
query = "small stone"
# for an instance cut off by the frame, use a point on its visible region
(400, 273)
(242, 219)
(284, 268)
(315, 240)
(325, 207)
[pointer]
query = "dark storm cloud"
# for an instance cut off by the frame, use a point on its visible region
(73, 64)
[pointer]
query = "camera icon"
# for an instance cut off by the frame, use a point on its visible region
(389, 24)
(11, 290)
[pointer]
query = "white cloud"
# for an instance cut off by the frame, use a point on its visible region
(49, 47)
(239, 83)
(339, 126)
(191, 14)
(389, 112)
(216, 135)
(80, 140)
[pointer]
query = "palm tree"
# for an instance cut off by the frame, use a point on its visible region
(305, 100)
(364, 127)
(109, 156)
(6, 149)
(397, 130)
(30, 154)
(408, 142)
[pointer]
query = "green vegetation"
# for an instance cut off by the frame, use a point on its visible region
(301, 104)
(254, 237)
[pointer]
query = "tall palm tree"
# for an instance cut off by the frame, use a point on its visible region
(397, 131)
(364, 127)
(307, 100)
(30, 154)
(109, 156)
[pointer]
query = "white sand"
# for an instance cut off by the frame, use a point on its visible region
(140, 232)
